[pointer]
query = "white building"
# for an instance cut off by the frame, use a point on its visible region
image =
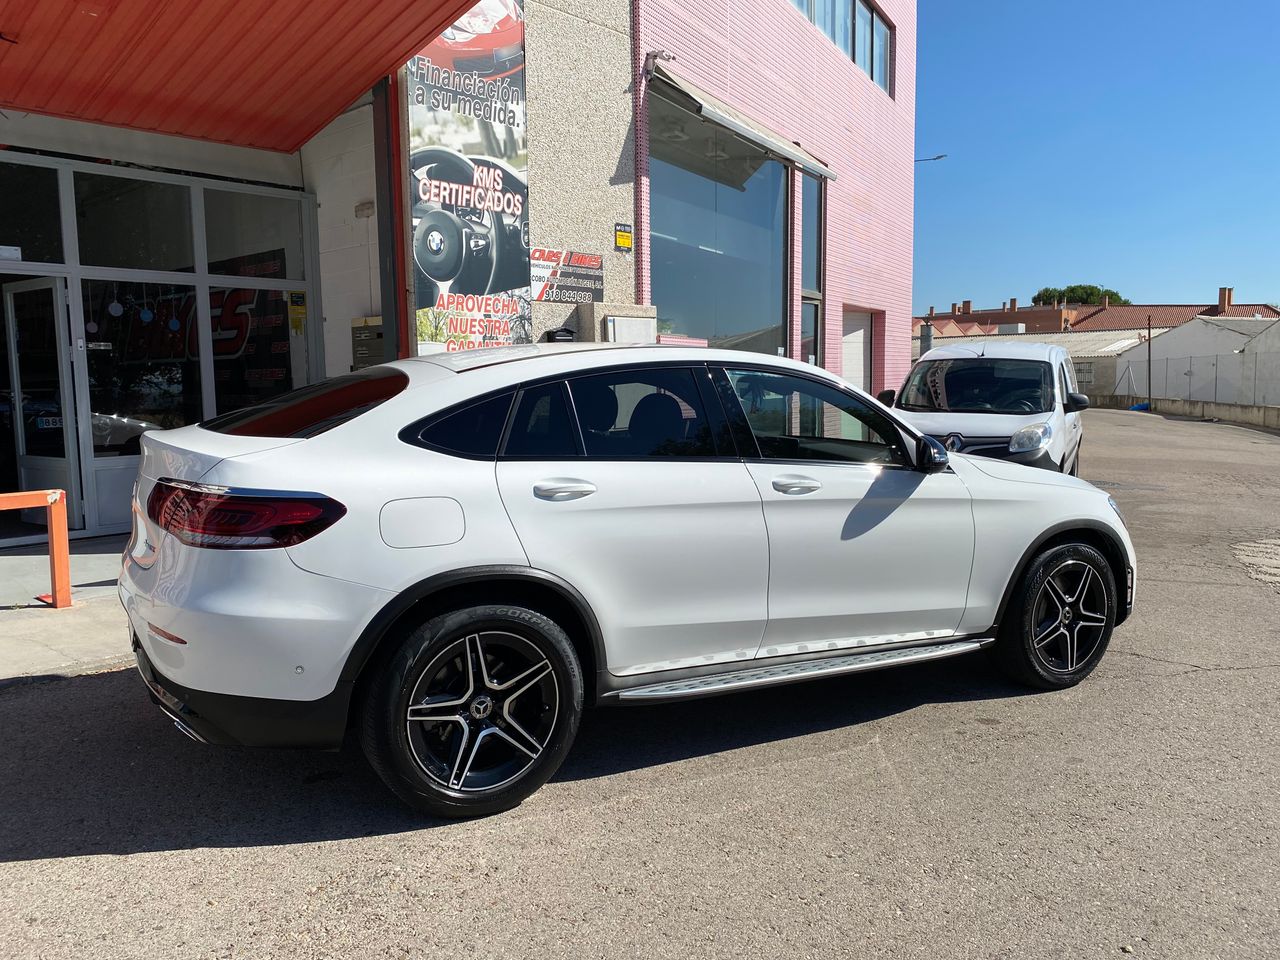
(1218, 359)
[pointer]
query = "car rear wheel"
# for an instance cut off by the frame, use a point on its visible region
(1060, 618)
(475, 711)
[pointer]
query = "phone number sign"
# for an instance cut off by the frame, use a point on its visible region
(566, 276)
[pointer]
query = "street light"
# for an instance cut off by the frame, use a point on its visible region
(941, 156)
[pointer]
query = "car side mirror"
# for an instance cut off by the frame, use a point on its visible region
(931, 456)
(886, 397)
(1076, 402)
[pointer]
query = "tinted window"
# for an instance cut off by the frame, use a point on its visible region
(797, 419)
(310, 410)
(542, 426)
(473, 431)
(1063, 384)
(642, 413)
(29, 215)
(979, 385)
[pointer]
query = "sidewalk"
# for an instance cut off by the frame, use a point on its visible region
(36, 640)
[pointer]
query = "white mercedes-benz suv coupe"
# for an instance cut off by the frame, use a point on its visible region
(449, 557)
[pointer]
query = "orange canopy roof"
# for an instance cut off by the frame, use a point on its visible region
(256, 73)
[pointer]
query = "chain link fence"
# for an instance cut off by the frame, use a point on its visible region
(1252, 379)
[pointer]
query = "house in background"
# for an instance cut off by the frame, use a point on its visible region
(963, 320)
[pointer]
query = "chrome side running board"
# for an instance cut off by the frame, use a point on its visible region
(756, 677)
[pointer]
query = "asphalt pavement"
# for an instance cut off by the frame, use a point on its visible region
(930, 811)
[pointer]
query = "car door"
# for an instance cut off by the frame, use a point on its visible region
(1067, 386)
(626, 484)
(863, 549)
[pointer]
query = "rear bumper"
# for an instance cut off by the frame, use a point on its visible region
(247, 721)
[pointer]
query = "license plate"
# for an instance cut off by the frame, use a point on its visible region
(49, 423)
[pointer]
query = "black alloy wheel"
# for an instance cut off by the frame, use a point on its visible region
(475, 712)
(1059, 621)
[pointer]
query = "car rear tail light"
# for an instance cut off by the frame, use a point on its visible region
(201, 515)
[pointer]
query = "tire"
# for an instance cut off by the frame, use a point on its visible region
(1041, 646)
(474, 712)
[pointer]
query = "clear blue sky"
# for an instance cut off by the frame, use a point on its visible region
(1134, 144)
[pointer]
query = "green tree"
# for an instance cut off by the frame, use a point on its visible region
(1077, 293)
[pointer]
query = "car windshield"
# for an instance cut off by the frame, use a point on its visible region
(979, 385)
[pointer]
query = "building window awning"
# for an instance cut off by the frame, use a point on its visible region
(712, 108)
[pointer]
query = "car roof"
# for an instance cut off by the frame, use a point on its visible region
(534, 359)
(998, 349)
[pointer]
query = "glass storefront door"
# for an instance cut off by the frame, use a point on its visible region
(38, 449)
(138, 300)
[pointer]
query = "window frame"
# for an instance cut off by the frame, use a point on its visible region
(815, 297)
(412, 433)
(749, 447)
(521, 390)
(707, 395)
(809, 8)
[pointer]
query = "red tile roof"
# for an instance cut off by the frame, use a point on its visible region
(1134, 316)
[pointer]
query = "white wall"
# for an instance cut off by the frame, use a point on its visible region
(148, 149)
(1198, 361)
(337, 166)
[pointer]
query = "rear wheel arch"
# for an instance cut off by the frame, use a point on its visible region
(1093, 533)
(538, 590)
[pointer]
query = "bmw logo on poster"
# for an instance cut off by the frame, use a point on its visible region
(467, 170)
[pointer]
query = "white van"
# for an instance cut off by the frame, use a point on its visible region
(1012, 401)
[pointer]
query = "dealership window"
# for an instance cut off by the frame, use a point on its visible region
(858, 29)
(718, 232)
(143, 360)
(812, 231)
(249, 235)
(126, 222)
(30, 224)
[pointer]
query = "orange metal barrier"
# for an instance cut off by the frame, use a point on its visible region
(55, 504)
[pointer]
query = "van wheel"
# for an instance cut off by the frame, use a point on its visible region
(475, 712)
(1060, 619)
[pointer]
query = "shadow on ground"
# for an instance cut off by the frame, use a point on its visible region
(89, 766)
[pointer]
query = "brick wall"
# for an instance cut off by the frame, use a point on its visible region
(766, 59)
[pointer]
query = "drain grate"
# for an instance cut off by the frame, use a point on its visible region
(1261, 558)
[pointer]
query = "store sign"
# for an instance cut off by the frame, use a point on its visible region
(566, 276)
(467, 169)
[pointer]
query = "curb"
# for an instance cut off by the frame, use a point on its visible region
(104, 665)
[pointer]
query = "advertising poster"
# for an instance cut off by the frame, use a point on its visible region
(566, 276)
(467, 170)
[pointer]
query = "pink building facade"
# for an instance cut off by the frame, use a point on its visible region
(766, 60)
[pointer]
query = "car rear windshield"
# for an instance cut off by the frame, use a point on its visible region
(313, 409)
(979, 385)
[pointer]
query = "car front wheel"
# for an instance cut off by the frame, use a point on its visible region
(1060, 618)
(475, 711)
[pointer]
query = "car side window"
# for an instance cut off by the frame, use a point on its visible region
(542, 427)
(794, 418)
(654, 412)
(1063, 382)
(473, 430)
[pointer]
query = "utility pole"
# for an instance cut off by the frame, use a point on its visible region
(1149, 410)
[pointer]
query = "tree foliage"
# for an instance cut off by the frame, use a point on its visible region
(1077, 293)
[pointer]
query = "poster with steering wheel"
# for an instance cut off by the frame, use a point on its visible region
(467, 182)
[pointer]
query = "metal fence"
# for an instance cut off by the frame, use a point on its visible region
(1252, 379)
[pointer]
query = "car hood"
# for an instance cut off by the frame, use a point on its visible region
(1022, 473)
(970, 424)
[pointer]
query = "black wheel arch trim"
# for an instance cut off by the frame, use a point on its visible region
(384, 620)
(1054, 532)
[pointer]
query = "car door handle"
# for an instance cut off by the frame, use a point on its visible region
(562, 488)
(794, 485)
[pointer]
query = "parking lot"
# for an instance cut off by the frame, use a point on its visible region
(930, 811)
